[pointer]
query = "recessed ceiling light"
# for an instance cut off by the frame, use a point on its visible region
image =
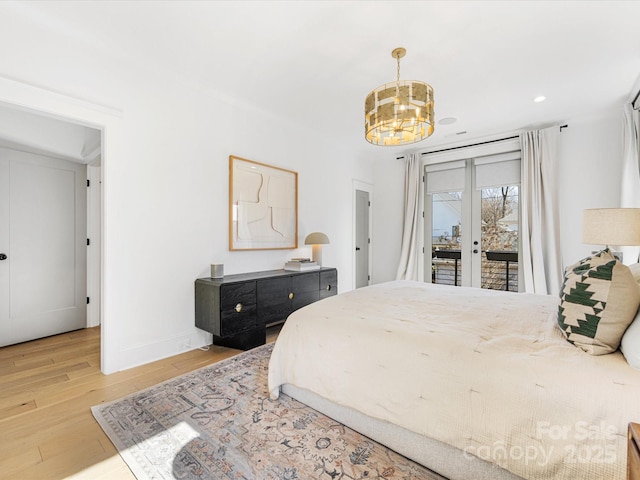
(540, 98)
(447, 121)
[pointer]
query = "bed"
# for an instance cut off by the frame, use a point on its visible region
(470, 383)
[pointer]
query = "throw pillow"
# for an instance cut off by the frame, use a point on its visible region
(598, 300)
(630, 345)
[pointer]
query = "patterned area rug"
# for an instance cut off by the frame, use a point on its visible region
(218, 423)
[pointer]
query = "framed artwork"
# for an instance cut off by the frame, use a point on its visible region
(263, 206)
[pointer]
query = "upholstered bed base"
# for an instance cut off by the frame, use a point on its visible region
(437, 456)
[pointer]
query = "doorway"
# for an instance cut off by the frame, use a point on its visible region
(472, 213)
(108, 121)
(50, 270)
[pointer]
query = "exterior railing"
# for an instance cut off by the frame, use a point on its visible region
(499, 269)
(447, 267)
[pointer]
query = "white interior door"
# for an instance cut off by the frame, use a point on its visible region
(43, 278)
(362, 238)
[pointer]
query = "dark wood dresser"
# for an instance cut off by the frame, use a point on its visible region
(633, 452)
(237, 309)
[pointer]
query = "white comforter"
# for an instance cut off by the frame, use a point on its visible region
(487, 372)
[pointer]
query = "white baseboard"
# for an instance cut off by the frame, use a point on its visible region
(151, 352)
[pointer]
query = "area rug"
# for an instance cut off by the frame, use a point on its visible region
(219, 423)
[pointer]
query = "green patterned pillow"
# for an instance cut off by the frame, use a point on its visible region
(598, 301)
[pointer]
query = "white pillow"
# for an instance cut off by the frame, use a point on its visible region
(630, 344)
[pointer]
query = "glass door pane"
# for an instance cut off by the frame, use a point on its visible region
(472, 215)
(446, 238)
(499, 237)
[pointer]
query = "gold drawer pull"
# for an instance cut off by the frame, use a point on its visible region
(239, 307)
(291, 296)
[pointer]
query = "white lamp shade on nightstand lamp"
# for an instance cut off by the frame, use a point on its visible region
(611, 226)
(316, 240)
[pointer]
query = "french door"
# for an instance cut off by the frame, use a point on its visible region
(472, 213)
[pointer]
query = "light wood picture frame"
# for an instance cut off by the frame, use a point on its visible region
(263, 206)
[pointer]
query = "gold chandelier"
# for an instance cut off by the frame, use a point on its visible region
(399, 113)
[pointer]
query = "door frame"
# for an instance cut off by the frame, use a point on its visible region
(365, 187)
(21, 96)
(94, 227)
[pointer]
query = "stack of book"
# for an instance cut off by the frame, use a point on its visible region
(301, 265)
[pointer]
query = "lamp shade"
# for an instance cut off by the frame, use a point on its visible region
(316, 238)
(611, 226)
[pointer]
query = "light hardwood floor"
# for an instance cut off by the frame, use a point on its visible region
(47, 388)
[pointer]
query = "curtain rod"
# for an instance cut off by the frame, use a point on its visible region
(471, 145)
(475, 144)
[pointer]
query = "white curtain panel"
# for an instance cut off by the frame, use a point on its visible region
(408, 268)
(630, 188)
(541, 260)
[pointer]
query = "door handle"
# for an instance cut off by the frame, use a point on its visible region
(3, 256)
(357, 248)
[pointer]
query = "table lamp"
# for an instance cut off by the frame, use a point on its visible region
(316, 240)
(611, 226)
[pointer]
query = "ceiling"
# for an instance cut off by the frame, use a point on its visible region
(313, 62)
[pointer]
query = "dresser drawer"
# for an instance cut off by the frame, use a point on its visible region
(306, 282)
(237, 293)
(234, 321)
(328, 283)
(273, 298)
(305, 290)
(237, 308)
(304, 298)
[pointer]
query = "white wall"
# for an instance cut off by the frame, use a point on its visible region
(590, 166)
(590, 169)
(388, 210)
(166, 188)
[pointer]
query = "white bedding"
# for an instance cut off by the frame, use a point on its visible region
(486, 372)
